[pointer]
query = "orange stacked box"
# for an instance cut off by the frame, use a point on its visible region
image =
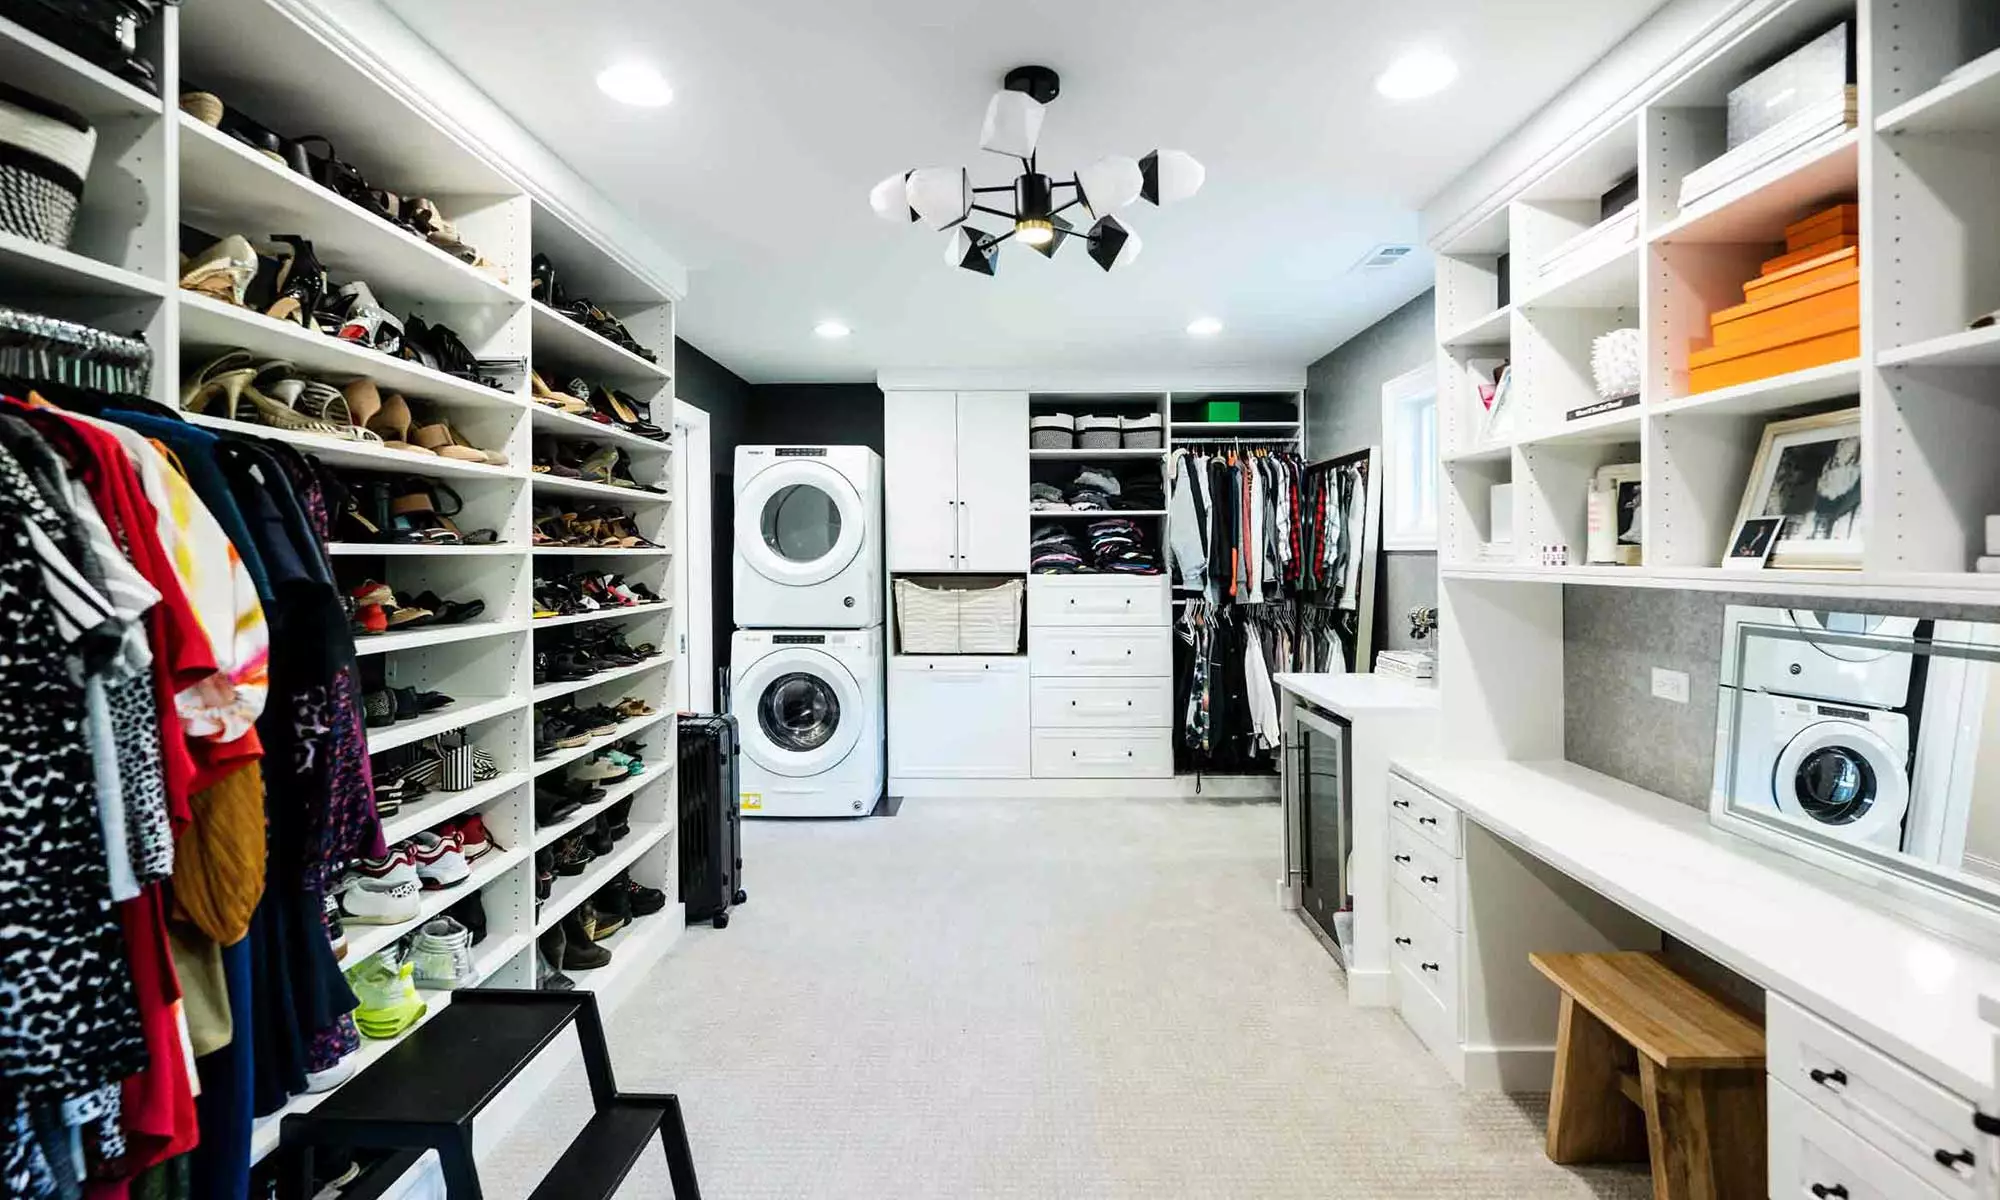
(1803, 310)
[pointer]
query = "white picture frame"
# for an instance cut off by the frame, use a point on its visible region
(1808, 470)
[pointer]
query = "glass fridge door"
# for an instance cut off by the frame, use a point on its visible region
(1325, 824)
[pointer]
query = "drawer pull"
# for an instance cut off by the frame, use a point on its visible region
(1431, 879)
(1402, 858)
(1986, 1123)
(1947, 1158)
(1825, 1190)
(1404, 942)
(1428, 966)
(1833, 1080)
(1427, 820)
(1399, 803)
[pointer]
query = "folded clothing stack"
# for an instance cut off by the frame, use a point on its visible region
(1119, 546)
(1044, 495)
(1143, 492)
(1052, 551)
(1095, 489)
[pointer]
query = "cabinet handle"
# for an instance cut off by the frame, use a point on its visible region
(1399, 803)
(1401, 941)
(1986, 1123)
(1428, 966)
(1825, 1190)
(1834, 1080)
(1128, 704)
(1402, 858)
(1431, 879)
(1072, 654)
(1427, 820)
(1947, 1158)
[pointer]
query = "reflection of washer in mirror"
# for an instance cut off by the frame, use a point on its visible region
(1840, 770)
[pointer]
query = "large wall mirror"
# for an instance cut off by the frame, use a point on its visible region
(1874, 736)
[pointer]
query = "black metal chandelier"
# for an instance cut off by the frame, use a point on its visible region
(945, 198)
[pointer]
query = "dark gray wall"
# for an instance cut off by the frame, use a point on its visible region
(1344, 413)
(719, 391)
(1613, 637)
(816, 414)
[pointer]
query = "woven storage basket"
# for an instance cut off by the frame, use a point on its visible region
(45, 152)
(959, 620)
(1144, 433)
(1056, 431)
(1098, 433)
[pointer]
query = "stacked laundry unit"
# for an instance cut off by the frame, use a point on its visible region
(806, 663)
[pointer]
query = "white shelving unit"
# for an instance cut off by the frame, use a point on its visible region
(163, 183)
(1921, 164)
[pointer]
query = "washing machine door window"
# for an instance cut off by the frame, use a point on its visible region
(1841, 778)
(808, 714)
(799, 523)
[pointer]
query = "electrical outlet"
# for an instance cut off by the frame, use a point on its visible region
(1670, 685)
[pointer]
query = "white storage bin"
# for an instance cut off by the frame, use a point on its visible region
(945, 620)
(1144, 433)
(1055, 431)
(1099, 433)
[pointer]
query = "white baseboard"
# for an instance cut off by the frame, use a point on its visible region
(1371, 989)
(1207, 787)
(1512, 1069)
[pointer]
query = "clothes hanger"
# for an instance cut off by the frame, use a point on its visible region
(48, 352)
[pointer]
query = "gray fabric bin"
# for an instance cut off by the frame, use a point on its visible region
(1099, 433)
(1056, 431)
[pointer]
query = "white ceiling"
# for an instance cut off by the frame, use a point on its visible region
(787, 111)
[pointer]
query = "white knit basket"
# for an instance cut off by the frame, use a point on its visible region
(959, 620)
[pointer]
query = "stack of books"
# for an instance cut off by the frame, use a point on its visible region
(1803, 309)
(1595, 243)
(1805, 99)
(1413, 665)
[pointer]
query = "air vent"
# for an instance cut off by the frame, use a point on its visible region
(1388, 254)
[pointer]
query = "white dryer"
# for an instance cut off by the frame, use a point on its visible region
(808, 708)
(1841, 770)
(1875, 675)
(808, 537)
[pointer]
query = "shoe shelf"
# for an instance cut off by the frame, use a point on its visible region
(599, 491)
(43, 268)
(569, 425)
(574, 350)
(564, 757)
(489, 960)
(364, 940)
(456, 715)
(607, 614)
(549, 835)
(35, 64)
(215, 324)
(415, 817)
(601, 551)
(572, 890)
(438, 635)
(226, 187)
(412, 550)
(634, 949)
(361, 456)
(549, 691)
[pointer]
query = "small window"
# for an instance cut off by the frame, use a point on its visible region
(1410, 460)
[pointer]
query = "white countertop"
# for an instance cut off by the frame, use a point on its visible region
(1817, 938)
(1347, 695)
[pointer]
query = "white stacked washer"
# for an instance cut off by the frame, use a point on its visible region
(806, 663)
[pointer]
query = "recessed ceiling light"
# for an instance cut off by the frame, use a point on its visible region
(831, 330)
(1204, 327)
(634, 83)
(1417, 74)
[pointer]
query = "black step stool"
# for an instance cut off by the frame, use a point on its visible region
(423, 1095)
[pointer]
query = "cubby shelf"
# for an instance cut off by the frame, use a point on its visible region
(572, 890)
(1757, 207)
(603, 551)
(33, 63)
(634, 949)
(1489, 330)
(1610, 280)
(549, 835)
(1967, 104)
(54, 269)
(549, 691)
(1779, 392)
(415, 550)
(437, 807)
(363, 456)
(604, 614)
(569, 425)
(364, 940)
(599, 491)
(437, 635)
(1910, 587)
(456, 715)
(1972, 348)
(562, 758)
(563, 343)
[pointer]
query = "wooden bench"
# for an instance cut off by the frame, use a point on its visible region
(1651, 1067)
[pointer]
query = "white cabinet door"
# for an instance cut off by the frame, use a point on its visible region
(993, 481)
(920, 480)
(958, 717)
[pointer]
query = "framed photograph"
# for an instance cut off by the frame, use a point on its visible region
(1755, 539)
(1808, 472)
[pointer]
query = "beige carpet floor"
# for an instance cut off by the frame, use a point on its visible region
(1038, 998)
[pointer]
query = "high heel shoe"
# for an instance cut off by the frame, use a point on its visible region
(301, 281)
(391, 422)
(441, 439)
(223, 271)
(364, 320)
(560, 401)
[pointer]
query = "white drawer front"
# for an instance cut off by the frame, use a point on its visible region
(1425, 813)
(1121, 652)
(1427, 950)
(1423, 1012)
(1097, 600)
(1814, 1157)
(1103, 754)
(1062, 703)
(1920, 1126)
(1429, 873)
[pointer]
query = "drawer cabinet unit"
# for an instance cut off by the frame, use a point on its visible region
(1067, 703)
(1098, 600)
(1424, 955)
(1119, 652)
(1103, 754)
(1431, 817)
(1813, 1156)
(958, 716)
(1425, 872)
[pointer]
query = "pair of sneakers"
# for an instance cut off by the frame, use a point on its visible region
(432, 860)
(441, 955)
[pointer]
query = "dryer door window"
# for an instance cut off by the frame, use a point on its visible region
(799, 523)
(798, 712)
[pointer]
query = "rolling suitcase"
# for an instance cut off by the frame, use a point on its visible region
(711, 829)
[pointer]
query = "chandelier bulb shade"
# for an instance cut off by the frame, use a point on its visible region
(942, 196)
(891, 199)
(1032, 204)
(1170, 175)
(1013, 124)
